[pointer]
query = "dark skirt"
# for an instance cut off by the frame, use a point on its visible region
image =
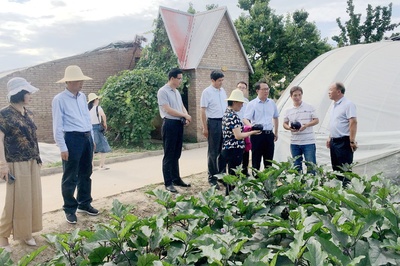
(100, 140)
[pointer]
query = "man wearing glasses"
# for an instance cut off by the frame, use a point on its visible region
(263, 111)
(175, 116)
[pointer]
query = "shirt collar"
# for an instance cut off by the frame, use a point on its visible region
(259, 100)
(339, 101)
(70, 94)
(299, 105)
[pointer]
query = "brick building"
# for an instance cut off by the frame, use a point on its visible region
(204, 42)
(98, 64)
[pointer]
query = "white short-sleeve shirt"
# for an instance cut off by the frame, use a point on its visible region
(214, 100)
(341, 112)
(304, 114)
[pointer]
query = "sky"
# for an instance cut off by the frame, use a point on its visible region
(38, 31)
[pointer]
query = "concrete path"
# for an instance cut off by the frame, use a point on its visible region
(121, 177)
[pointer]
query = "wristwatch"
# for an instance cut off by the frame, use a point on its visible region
(353, 142)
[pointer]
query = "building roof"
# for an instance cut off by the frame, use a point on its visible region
(191, 34)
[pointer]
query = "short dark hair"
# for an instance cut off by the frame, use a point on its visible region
(216, 74)
(295, 88)
(19, 97)
(173, 73)
(230, 103)
(340, 86)
(242, 82)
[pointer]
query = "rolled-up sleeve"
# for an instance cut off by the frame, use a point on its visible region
(58, 131)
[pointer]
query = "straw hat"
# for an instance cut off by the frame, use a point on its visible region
(73, 73)
(92, 96)
(16, 85)
(237, 96)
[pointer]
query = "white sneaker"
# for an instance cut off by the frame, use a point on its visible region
(30, 242)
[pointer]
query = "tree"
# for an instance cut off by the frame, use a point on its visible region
(278, 48)
(377, 22)
(135, 92)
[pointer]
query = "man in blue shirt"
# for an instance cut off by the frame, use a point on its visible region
(262, 110)
(73, 134)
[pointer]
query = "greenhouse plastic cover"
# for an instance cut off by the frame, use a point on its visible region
(371, 75)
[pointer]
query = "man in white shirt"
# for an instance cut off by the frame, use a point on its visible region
(299, 120)
(343, 129)
(213, 105)
(175, 117)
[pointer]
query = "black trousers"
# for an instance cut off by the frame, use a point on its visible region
(233, 158)
(341, 152)
(215, 163)
(245, 162)
(172, 135)
(77, 171)
(262, 147)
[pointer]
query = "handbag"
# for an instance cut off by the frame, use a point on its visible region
(102, 129)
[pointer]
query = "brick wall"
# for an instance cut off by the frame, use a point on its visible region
(98, 65)
(224, 54)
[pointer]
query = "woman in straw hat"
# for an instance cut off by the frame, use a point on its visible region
(99, 124)
(233, 136)
(20, 166)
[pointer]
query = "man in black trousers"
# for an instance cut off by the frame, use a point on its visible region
(175, 116)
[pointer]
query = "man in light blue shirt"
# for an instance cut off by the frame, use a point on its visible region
(343, 129)
(213, 105)
(262, 110)
(73, 134)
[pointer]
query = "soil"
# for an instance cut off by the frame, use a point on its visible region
(144, 206)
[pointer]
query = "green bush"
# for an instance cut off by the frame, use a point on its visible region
(279, 218)
(130, 102)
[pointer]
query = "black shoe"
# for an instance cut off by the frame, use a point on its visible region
(171, 188)
(71, 218)
(89, 210)
(180, 183)
(214, 183)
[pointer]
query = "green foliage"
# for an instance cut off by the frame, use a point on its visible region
(278, 48)
(5, 258)
(130, 102)
(377, 22)
(130, 98)
(159, 55)
(279, 218)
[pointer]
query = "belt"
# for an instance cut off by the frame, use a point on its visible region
(340, 138)
(85, 134)
(217, 119)
(267, 131)
(169, 119)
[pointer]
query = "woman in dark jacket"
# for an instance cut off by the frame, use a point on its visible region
(20, 167)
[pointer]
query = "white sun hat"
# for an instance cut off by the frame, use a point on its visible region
(18, 84)
(73, 73)
(92, 96)
(237, 96)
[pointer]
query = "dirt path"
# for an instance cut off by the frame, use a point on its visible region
(144, 205)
